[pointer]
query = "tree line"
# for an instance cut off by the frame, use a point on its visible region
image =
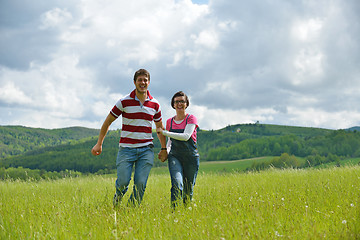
(230, 143)
(339, 143)
(27, 174)
(16, 140)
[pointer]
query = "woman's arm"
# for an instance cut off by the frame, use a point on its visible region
(188, 131)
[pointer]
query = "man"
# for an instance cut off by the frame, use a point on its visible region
(138, 110)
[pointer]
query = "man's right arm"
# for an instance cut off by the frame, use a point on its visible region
(97, 149)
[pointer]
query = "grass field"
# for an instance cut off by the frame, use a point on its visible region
(243, 164)
(275, 204)
(219, 166)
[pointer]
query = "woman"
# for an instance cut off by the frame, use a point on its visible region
(183, 158)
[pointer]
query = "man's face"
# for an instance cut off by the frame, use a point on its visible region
(141, 83)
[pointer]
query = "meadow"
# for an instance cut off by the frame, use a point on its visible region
(273, 204)
(221, 166)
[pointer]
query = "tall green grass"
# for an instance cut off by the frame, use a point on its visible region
(275, 204)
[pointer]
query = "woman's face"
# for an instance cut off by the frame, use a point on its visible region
(180, 103)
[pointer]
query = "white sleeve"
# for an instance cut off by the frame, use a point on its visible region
(189, 129)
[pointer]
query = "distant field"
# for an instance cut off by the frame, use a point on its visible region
(345, 162)
(241, 165)
(219, 166)
(273, 204)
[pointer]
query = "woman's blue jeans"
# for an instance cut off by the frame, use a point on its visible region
(143, 159)
(183, 168)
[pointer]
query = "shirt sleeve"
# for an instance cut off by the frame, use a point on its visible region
(192, 120)
(189, 129)
(116, 111)
(157, 116)
(168, 122)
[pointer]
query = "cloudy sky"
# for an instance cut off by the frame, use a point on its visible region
(66, 62)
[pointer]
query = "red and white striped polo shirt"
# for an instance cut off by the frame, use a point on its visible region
(136, 119)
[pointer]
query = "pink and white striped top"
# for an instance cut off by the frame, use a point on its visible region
(136, 119)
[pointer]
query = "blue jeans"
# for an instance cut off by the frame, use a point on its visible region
(143, 159)
(183, 168)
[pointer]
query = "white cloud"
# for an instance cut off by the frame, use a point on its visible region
(54, 18)
(208, 39)
(59, 90)
(308, 67)
(211, 118)
(307, 30)
(11, 94)
(66, 62)
(320, 118)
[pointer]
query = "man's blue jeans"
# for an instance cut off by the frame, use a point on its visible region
(183, 170)
(143, 159)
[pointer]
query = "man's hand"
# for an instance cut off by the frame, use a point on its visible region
(96, 150)
(163, 155)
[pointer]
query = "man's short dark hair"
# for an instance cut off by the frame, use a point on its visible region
(141, 72)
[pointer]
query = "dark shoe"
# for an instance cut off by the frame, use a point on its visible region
(116, 200)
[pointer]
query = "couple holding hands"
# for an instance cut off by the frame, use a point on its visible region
(138, 110)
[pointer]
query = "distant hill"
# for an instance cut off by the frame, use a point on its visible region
(16, 140)
(357, 128)
(258, 129)
(69, 148)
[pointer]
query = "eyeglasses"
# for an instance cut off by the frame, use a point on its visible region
(179, 101)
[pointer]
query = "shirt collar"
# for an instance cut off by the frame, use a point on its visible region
(133, 95)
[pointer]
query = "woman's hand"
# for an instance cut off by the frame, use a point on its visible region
(159, 130)
(163, 155)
